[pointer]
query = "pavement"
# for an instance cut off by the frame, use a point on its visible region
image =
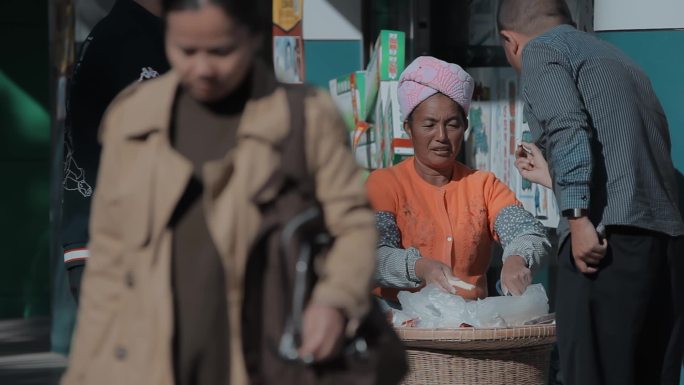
(25, 356)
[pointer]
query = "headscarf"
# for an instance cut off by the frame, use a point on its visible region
(427, 76)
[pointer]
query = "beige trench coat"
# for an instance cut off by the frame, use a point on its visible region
(125, 323)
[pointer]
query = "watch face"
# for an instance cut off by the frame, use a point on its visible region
(574, 213)
(567, 213)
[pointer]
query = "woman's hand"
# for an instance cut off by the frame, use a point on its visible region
(515, 275)
(437, 273)
(532, 165)
(322, 332)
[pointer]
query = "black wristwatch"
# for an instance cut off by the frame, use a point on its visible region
(575, 213)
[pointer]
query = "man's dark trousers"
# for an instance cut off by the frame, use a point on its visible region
(623, 325)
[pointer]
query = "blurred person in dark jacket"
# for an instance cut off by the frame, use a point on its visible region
(125, 47)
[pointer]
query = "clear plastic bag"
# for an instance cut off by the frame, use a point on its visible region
(433, 308)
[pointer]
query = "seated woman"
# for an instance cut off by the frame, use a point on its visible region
(437, 218)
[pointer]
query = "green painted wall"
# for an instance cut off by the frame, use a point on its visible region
(24, 159)
(328, 59)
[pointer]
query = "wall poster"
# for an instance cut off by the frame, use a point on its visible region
(288, 41)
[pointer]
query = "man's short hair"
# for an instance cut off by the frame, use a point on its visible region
(532, 17)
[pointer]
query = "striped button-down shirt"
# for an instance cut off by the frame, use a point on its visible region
(603, 131)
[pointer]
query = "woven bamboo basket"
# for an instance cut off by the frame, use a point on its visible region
(509, 356)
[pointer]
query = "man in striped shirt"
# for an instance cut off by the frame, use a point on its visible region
(603, 131)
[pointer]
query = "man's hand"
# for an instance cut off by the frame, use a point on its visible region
(587, 250)
(322, 332)
(515, 275)
(532, 165)
(435, 272)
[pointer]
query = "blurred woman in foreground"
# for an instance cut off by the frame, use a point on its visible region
(192, 167)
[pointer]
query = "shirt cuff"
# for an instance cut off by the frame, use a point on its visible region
(574, 197)
(523, 252)
(412, 256)
(76, 255)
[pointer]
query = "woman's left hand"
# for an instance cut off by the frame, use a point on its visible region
(531, 164)
(515, 275)
(323, 332)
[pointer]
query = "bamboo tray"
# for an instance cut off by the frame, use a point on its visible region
(518, 355)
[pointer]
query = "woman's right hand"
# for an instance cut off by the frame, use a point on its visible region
(435, 272)
(532, 165)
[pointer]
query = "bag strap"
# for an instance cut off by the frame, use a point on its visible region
(295, 170)
(294, 162)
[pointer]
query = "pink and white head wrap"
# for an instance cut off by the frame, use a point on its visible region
(427, 76)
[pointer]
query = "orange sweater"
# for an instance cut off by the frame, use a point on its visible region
(453, 224)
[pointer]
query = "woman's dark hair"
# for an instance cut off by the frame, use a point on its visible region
(254, 14)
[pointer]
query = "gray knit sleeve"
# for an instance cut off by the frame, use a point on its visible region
(395, 266)
(521, 234)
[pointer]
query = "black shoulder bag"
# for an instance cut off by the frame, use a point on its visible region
(281, 275)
